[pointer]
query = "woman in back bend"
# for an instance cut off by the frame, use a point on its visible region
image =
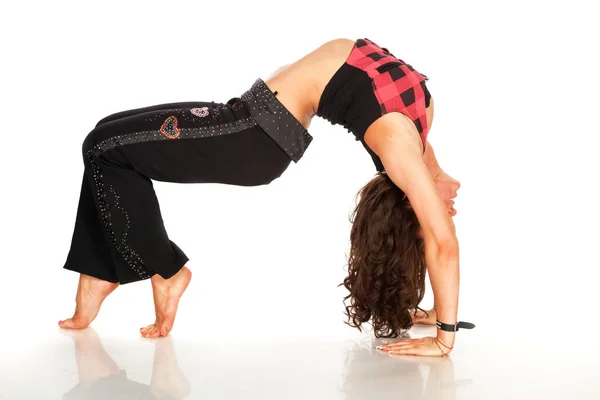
(401, 226)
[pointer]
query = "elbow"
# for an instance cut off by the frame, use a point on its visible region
(448, 248)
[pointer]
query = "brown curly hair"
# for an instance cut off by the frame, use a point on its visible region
(386, 264)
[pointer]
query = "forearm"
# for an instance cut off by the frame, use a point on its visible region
(444, 275)
(444, 271)
(430, 160)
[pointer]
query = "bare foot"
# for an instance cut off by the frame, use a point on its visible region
(91, 292)
(167, 293)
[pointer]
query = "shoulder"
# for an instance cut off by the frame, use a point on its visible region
(340, 42)
(392, 134)
(339, 46)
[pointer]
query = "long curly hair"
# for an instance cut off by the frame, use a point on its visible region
(386, 264)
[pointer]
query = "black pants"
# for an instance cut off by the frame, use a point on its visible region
(119, 233)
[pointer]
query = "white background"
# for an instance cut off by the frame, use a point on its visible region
(515, 87)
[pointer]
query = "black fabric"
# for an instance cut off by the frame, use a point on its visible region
(454, 328)
(119, 234)
(348, 100)
(276, 120)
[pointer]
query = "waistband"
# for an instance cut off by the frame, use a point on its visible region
(276, 120)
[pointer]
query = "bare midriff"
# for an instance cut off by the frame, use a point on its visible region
(299, 85)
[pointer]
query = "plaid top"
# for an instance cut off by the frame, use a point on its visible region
(396, 85)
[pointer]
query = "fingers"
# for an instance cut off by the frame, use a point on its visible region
(418, 313)
(402, 343)
(420, 317)
(450, 207)
(409, 351)
(417, 319)
(406, 347)
(414, 347)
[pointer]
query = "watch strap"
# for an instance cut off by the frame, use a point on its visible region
(454, 327)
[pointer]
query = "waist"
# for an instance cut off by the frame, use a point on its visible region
(276, 120)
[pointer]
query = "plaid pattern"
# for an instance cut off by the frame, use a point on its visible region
(397, 85)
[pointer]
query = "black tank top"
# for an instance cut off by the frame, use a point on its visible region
(349, 98)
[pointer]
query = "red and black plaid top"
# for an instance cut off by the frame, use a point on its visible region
(398, 87)
(371, 83)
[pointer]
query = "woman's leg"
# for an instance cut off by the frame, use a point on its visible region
(121, 159)
(100, 244)
(158, 107)
(89, 252)
(88, 249)
(90, 255)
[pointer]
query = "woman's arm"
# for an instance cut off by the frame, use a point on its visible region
(430, 160)
(395, 140)
(446, 185)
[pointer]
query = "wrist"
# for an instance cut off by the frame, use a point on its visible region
(446, 337)
(430, 160)
(444, 349)
(435, 170)
(444, 344)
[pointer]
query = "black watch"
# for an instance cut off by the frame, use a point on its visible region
(454, 327)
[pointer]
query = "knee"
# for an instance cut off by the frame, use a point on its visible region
(87, 144)
(109, 118)
(92, 138)
(275, 175)
(273, 172)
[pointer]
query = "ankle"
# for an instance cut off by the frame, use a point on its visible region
(157, 279)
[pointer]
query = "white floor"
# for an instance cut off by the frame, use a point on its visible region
(262, 318)
(39, 361)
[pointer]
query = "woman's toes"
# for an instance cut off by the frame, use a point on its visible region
(164, 331)
(147, 331)
(72, 323)
(155, 333)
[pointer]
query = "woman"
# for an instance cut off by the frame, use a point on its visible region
(402, 222)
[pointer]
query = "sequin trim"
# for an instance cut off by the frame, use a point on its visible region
(265, 110)
(200, 112)
(184, 133)
(169, 128)
(133, 259)
(276, 120)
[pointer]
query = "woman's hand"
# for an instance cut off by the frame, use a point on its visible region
(415, 347)
(419, 317)
(447, 187)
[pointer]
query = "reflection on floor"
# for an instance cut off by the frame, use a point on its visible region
(101, 378)
(91, 365)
